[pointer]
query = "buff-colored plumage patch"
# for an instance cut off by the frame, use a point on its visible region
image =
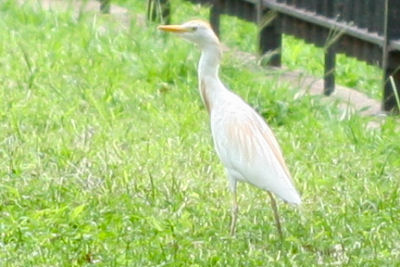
(244, 135)
(203, 91)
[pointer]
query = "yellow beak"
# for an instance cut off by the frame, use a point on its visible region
(173, 28)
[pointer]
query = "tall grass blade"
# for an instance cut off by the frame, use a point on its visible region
(395, 92)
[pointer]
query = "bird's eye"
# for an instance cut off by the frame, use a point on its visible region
(194, 28)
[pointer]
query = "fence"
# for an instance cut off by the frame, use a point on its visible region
(366, 29)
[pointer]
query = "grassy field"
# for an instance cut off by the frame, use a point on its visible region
(106, 156)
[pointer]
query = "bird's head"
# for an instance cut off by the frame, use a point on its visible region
(196, 31)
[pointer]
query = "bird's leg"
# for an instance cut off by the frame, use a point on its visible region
(233, 182)
(276, 214)
(234, 213)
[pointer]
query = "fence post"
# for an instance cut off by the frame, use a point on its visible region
(215, 13)
(270, 36)
(391, 58)
(105, 6)
(329, 69)
(166, 11)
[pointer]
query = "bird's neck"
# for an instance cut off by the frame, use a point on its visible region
(210, 85)
(209, 61)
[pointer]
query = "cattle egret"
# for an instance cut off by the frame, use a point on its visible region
(243, 141)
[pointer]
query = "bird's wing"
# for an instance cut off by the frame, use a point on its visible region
(247, 146)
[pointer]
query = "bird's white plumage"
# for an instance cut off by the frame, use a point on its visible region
(248, 149)
(243, 141)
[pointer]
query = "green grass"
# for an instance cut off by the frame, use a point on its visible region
(106, 157)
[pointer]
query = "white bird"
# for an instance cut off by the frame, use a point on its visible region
(243, 141)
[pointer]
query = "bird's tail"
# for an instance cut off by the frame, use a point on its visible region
(290, 196)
